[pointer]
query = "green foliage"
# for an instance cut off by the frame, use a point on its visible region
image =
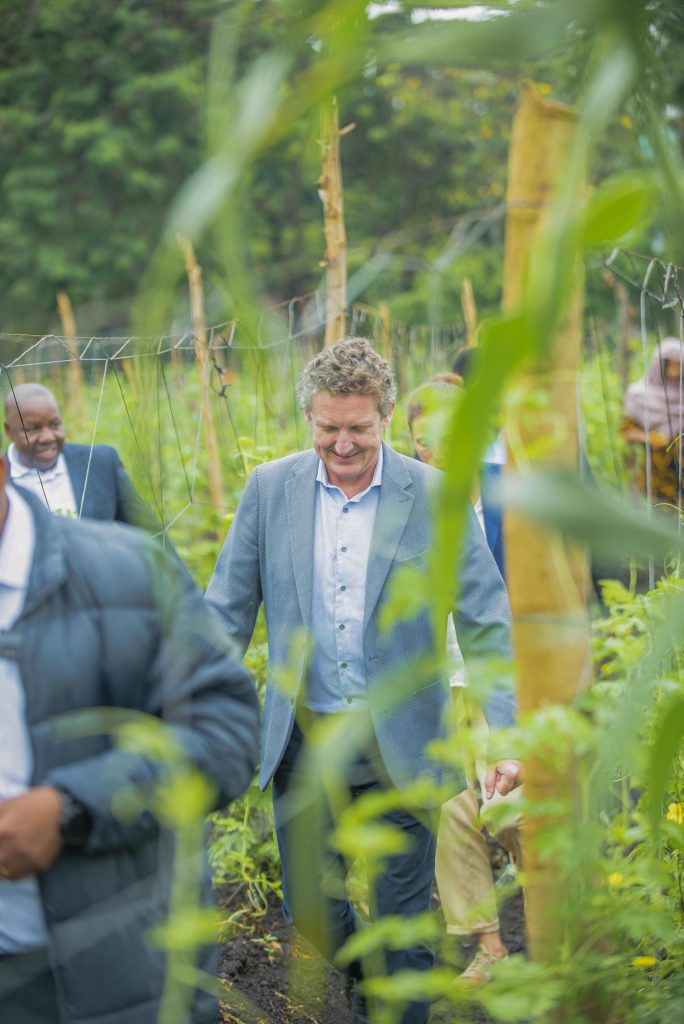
(86, 178)
(101, 122)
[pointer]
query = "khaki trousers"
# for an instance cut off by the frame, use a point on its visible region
(462, 868)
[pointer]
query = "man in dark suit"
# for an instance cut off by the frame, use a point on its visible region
(71, 479)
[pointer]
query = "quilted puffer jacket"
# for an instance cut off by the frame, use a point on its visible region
(109, 623)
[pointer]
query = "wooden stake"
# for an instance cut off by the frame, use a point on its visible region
(194, 272)
(330, 193)
(469, 311)
(74, 368)
(547, 578)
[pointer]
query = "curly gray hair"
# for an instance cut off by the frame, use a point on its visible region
(349, 367)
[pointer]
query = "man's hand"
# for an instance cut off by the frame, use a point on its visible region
(502, 777)
(29, 832)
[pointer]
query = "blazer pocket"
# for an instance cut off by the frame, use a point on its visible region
(417, 560)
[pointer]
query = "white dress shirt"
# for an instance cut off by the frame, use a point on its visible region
(342, 537)
(22, 926)
(52, 486)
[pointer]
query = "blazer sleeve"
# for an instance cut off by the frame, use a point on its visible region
(132, 510)
(483, 618)
(235, 590)
(130, 507)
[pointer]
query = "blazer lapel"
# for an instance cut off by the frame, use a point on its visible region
(76, 458)
(394, 508)
(300, 498)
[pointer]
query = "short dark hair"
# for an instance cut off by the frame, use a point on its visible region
(465, 362)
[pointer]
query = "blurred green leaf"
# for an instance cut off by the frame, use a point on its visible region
(619, 206)
(560, 501)
(665, 743)
(389, 932)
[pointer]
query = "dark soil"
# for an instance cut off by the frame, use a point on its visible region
(272, 976)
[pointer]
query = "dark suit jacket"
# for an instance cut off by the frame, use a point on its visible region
(103, 489)
(491, 513)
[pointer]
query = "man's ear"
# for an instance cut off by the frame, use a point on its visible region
(388, 417)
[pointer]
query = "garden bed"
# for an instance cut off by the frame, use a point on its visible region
(274, 977)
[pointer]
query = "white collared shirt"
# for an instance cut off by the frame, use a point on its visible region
(342, 537)
(52, 486)
(22, 925)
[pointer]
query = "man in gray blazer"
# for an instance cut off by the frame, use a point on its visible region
(318, 538)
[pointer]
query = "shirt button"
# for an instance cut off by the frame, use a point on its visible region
(349, 700)
(345, 509)
(343, 665)
(343, 587)
(341, 626)
(343, 549)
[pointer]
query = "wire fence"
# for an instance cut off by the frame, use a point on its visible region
(151, 397)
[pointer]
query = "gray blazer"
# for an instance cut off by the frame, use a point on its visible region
(268, 556)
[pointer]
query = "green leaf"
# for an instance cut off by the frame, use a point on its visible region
(666, 741)
(390, 932)
(559, 500)
(622, 204)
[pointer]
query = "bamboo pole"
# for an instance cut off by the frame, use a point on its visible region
(74, 368)
(547, 578)
(469, 312)
(194, 273)
(331, 196)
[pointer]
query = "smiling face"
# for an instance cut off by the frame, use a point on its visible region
(36, 429)
(347, 434)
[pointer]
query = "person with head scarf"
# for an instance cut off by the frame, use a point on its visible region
(653, 420)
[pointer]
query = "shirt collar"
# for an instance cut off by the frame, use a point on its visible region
(18, 469)
(17, 543)
(322, 478)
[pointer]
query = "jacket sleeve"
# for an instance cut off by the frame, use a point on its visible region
(130, 507)
(483, 618)
(205, 698)
(132, 510)
(235, 590)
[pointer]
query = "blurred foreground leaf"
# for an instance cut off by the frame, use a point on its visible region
(608, 525)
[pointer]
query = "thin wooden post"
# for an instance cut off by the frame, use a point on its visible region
(469, 312)
(330, 193)
(547, 578)
(194, 272)
(74, 368)
(386, 346)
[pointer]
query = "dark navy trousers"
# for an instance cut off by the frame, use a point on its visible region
(314, 874)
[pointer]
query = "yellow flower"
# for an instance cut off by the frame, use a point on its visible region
(675, 812)
(644, 961)
(615, 878)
